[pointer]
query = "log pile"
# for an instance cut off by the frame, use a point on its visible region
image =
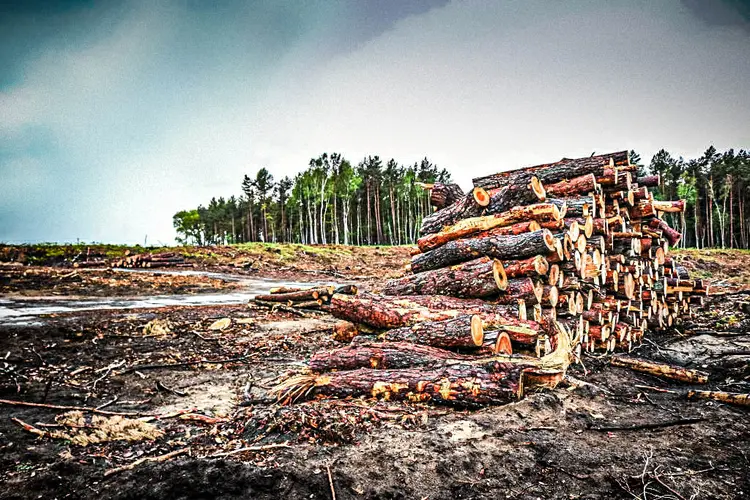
(302, 298)
(152, 261)
(510, 283)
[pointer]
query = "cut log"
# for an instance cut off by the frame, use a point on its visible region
(481, 277)
(649, 180)
(672, 236)
(576, 206)
(533, 266)
(732, 398)
(519, 330)
(286, 289)
(442, 195)
(500, 247)
(583, 184)
(454, 384)
(382, 356)
(527, 191)
(522, 288)
(465, 331)
(474, 225)
(669, 206)
(517, 228)
(551, 173)
(470, 205)
(302, 295)
(661, 369)
(345, 331)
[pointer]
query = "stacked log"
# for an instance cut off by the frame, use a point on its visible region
(509, 284)
(302, 298)
(152, 261)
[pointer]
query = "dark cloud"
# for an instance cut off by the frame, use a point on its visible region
(721, 12)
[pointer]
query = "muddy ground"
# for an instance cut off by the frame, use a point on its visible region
(206, 386)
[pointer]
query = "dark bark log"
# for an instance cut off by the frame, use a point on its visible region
(499, 247)
(522, 288)
(465, 331)
(471, 205)
(443, 195)
(532, 266)
(555, 172)
(527, 191)
(383, 356)
(649, 180)
(584, 184)
(481, 277)
(454, 384)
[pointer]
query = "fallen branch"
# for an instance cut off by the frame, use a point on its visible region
(10, 402)
(732, 398)
(661, 369)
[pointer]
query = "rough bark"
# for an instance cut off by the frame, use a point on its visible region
(473, 225)
(443, 195)
(576, 206)
(471, 205)
(465, 331)
(555, 172)
(522, 288)
(481, 277)
(526, 191)
(383, 356)
(583, 184)
(532, 266)
(499, 247)
(302, 295)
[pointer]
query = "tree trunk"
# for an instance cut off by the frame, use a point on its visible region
(500, 247)
(481, 277)
(442, 195)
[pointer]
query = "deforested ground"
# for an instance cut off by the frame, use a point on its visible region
(606, 433)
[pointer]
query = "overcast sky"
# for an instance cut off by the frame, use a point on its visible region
(115, 115)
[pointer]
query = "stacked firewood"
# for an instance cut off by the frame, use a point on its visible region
(152, 260)
(509, 283)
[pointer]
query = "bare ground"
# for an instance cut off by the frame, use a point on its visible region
(574, 442)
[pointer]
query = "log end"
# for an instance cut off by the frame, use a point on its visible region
(549, 240)
(541, 265)
(481, 196)
(537, 188)
(477, 330)
(498, 272)
(503, 344)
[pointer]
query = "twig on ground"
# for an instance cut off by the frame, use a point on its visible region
(30, 428)
(160, 458)
(162, 387)
(330, 482)
(10, 402)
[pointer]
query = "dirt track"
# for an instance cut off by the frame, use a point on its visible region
(549, 445)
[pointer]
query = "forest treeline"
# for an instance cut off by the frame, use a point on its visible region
(377, 203)
(331, 201)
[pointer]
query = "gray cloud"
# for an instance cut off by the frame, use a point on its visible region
(162, 107)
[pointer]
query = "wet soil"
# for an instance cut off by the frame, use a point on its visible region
(207, 388)
(546, 446)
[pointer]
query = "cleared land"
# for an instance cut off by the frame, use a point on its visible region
(608, 433)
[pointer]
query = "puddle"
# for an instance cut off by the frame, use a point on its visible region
(20, 311)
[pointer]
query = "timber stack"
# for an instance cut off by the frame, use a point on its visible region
(508, 284)
(152, 261)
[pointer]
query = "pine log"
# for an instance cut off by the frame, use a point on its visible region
(460, 384)
(345, 331)
(551, 173)
(732, 398)
(577, 206)
(669, 206)
(649, 180)
(517, 228)
(442, 195)
(471, 226)
(672, 236)
(465, 331)
(532, 266)
(661, 369)
(584, 184)
(521, 331)
(302, 295)
(527, 191)
(522, 288)
(285, 289)
(383, 312)
(382, 356)
(471, 205)
(481, 277)
(499, 247)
